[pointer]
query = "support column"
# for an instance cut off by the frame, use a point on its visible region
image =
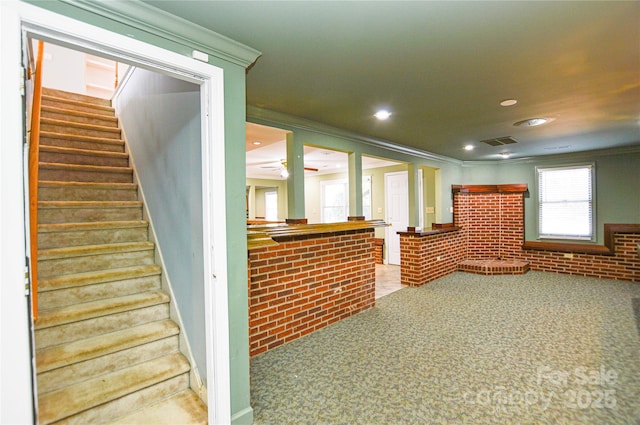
(414, 193)
(295, 181)
(355, 184)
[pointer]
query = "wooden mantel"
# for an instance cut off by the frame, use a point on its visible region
(259, 236)
(489, 188)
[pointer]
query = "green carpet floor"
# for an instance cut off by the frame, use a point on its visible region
(541, 348)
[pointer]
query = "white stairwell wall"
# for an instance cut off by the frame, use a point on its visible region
(160, 117)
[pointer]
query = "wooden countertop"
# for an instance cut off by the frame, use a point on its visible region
(262, 235)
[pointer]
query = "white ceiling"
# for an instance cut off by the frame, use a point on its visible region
(442, 67)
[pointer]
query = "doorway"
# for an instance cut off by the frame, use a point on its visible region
(397, 208)
(32, 22)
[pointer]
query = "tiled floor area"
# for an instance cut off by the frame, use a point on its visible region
(539, 348)
(387, 279)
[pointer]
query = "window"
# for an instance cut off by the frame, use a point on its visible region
(334, 201)
(565, 202)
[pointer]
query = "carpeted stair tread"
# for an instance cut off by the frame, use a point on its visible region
(64, 171)
(85, 349)
(66, 227)
(72, 114)
(93, 309)
(84, 152)
(86, 191)
(89, 204)
(94, 102)
(85, 250)
(90, 168)
(184, 408)
(47, 99)
(95, 277)
(87, 185)
(50, 212)
(48, 137)
(59, 235)
(71, 400)
(79, 125)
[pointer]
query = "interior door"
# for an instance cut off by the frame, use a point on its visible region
(397, 212)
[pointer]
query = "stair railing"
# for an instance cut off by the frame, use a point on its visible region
(34, 159)
(115, 84)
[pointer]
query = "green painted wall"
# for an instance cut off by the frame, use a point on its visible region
(234, 116)
(235, 159)
(429, 176)
(161, 118)
(617, 185)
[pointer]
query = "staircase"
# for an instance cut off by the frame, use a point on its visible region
(106, 349)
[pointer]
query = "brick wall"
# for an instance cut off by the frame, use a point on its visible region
(493, 223)
(427, 258)
(378, 249)
(306, 283)
(493, 226)
(624, 265)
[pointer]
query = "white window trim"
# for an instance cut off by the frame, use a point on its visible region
(592, 168)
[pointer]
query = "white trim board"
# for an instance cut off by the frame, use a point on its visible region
(48, 26)
(16, 402)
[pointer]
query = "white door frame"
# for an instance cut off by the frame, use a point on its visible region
(389, 230)
(48, 26)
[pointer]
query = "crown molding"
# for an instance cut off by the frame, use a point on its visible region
(278, 119)
(582, 155)
(170, 27)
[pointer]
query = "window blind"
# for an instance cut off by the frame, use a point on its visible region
(565, 202)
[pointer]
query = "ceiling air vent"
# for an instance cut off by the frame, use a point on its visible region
(500, 141)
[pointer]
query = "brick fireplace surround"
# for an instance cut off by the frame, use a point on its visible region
(489, 225)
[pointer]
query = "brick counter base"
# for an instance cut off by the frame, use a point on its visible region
(306, 283)
(494, 267)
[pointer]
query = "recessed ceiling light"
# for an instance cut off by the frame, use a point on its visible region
(505, 155)
(257, 143)
(508, 102)
(531, 122)
(382, 114)
(468, 147)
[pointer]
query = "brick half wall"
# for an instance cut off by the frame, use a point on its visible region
(493, 228)
(306, 283)
(425, 258)
(490, 223)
